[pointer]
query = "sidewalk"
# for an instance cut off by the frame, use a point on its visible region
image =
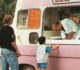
(0, 59)
(0, 67)
(0, 63)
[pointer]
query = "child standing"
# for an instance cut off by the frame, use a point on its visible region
(42, 53)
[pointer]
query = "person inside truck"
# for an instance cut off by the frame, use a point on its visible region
(66, 26)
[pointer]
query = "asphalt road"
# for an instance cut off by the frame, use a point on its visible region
(0, 59)
(0, 63)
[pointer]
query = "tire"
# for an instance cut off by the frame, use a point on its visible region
(27, 67)
(21, 66)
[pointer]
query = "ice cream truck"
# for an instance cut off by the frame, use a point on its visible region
(34, 18)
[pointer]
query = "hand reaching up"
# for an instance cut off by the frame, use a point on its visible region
(55, 46)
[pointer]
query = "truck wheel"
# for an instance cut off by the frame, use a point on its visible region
(28, 68)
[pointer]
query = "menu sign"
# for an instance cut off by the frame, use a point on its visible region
(65, 1)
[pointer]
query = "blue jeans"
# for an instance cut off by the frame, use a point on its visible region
(9, 58)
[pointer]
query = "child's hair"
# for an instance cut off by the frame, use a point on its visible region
(41, 40)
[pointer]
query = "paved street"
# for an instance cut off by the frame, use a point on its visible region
(0, 59)
(0, 63)
(0, 67)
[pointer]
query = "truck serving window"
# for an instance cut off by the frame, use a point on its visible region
(53, 15)
(29, 19)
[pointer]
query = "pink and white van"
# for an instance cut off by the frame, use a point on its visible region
(34, 18)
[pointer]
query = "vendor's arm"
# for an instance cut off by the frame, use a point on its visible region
(70, 35)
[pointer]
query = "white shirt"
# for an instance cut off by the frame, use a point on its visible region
(41, 54)
(68, 26)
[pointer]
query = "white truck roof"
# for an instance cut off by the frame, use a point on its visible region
(45, 3)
